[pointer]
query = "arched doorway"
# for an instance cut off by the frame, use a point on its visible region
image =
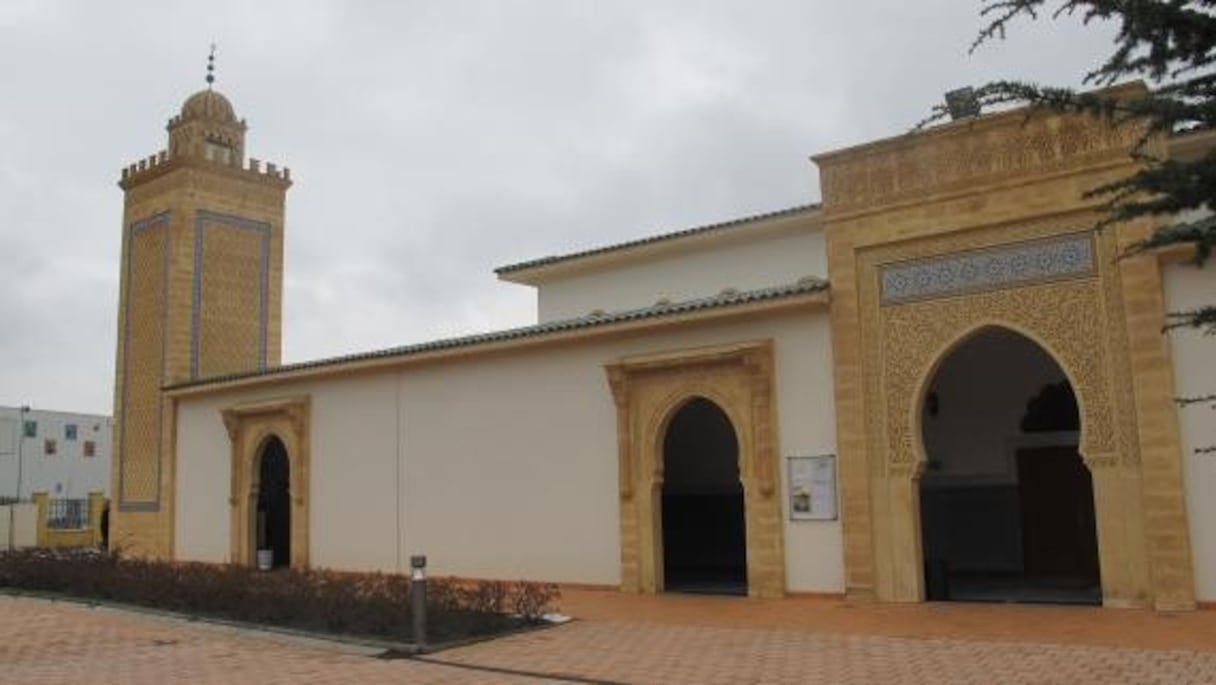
(1006, 502)
(703, 523)
(273, 518)
(649, 391)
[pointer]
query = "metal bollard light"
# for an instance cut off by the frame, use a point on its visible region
(418, 600)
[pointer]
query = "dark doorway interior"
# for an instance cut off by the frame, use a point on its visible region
(1007, 505)
(704, 536)
(1059, 530)
(274, 503)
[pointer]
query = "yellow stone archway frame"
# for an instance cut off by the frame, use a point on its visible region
(250, 426)
(648, 391)
(989, 185)
(1102, 329)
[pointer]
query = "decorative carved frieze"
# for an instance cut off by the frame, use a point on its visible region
(962, 159)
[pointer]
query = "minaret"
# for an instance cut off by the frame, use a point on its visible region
(200, 296)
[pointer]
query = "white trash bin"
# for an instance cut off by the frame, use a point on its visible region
(265, 559)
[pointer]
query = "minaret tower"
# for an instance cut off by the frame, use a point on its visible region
(200, 296)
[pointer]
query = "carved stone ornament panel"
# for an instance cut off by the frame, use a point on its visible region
(949, 160)
(1064, 318)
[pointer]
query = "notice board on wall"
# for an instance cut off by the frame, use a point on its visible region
(811, 487)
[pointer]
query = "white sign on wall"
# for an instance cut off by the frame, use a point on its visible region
(812, 488)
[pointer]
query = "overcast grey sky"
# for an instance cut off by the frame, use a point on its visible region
(432, 141)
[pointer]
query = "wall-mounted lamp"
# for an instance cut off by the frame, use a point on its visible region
(962, 103)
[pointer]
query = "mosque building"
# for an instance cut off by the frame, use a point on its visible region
(938, 383)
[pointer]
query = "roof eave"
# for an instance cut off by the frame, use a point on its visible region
(539, 271)
(806, 300)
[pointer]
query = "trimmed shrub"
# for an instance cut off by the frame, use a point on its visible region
(364, 604)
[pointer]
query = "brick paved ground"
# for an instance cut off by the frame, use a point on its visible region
(682, 640)
(1009, 622)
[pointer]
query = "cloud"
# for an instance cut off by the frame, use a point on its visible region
(431, 142)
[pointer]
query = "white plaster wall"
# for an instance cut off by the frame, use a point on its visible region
(66, 474)
(1194, 360)
(806, 425)
(204, 481)
(531, 481)
(354, 474)
(505, 466)
(510, 468)
(775, 259)
(354, 455)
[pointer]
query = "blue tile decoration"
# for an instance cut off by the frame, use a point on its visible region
(1050, 259)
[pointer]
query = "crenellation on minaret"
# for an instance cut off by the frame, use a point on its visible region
(153, 166)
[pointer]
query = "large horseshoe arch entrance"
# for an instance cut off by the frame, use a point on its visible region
(1061, 320)
(908, 457)
(1006, 501)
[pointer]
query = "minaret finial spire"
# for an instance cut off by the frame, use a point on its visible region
(211, 67)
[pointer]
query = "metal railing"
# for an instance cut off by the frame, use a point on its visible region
(67, 514)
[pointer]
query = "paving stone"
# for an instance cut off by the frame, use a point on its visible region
(675, 642)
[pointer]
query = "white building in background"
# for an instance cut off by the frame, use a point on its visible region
(63, 454)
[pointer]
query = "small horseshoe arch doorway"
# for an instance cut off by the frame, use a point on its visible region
(272, 520)
(1006, 501)
(703, 521)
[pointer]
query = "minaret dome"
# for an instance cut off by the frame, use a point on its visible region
(209, 105)
(208, 128)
